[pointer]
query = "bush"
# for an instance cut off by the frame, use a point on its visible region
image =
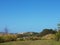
(35, 38)
(7, 38)
(47, 31)
(1, 39)
(57, 38)
(48, 37)
(13, 37)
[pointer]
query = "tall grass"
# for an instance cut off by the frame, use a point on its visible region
(37, 42)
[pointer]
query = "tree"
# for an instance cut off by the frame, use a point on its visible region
(47, 31)
(58, 33)
(57, 38)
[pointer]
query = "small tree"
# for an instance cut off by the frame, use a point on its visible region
(58, 33)
(57, 36)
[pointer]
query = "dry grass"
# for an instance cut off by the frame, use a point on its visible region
(37, 42)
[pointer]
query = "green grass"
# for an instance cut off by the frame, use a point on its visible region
(37, 42)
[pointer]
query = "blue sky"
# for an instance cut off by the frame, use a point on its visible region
(29, 15)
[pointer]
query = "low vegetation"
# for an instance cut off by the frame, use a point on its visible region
(37, 42)
(46, 37)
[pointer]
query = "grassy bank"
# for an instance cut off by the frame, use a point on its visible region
(37, 42)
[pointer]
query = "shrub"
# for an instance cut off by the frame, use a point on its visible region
(1, 39)
(13, 37)
(22, 39)
(7, 38)
(57, 38)
(48, 37)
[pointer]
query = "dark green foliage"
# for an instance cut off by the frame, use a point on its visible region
(1, 39)
(47, 31)
(22, 35)
(57, 36)
(27, 34)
